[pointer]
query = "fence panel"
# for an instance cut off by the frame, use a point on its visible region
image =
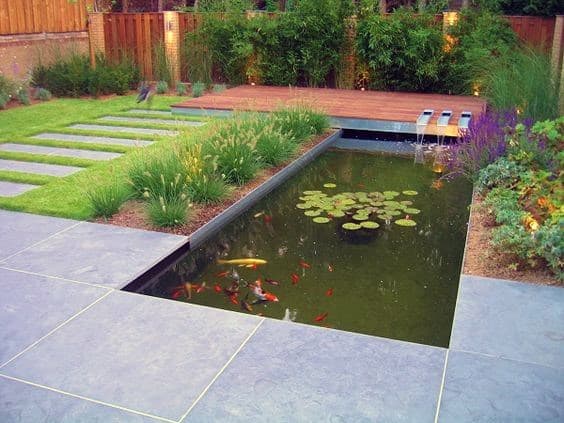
(37, 16)
(536, 31)
(135, 34)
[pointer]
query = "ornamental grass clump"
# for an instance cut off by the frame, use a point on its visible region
(273, 147)
(203, 183)
(106, 199)
(198, 89)
(166, 213)
(299, 122)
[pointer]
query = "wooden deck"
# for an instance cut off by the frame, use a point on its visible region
(343, 104)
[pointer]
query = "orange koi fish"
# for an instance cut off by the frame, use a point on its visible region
(233, 299)
(304, 265)
(272, 282)
(222, 274)
(217, 288)
(176, 294)
(251, 266)
(321, 317)
(329, 292)
(201, 288)
(295, 278)
(270, 297)
(329, 267)
(267, 218)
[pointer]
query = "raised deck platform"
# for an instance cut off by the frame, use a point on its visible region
(350, 109)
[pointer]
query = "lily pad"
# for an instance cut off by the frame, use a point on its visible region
(321, 220)
(360, 216)
(336, 213)
(410, 192)
(391, 194)
(348, 201)
(406, 202)
(329, 185)
(411, 210)
(304, 206)
(312, 192)
(370, 224)
(405, 222)
(391, 204)
(312, 213)
(351, 226)
(393, 212)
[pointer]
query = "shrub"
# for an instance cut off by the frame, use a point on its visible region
(162, 87)
(162, 68)
(23, 96)
(43, 94)
(217, 88)
(181, 89)
(7, 87)
(4, 99)
(168, 213)
(198, 89)
(501, 173)
(106, 199)
(196, 58)
(405, 51)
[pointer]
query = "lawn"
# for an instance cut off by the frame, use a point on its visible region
(65, 197)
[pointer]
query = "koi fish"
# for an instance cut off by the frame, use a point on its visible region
(251, 266)
(233, 289)
(259, 214)
(304, 265)
(243, 261)
(329, 292)
(270, 297)
(217, 288)
(321, 317)
(245, 305)
(295, 278)
(201, 288)
(407, 217)
(272, 282)
(329, 267)
(233, 299)
(176, 294)
(222, 274)
(267, 218)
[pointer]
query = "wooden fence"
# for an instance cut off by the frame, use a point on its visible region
(37, 16)
(135, 34)
(536, 31)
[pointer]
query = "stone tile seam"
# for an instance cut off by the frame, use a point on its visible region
(500, 357)
(74, 316)
(441, 389)
(41, 241)
(95, 401)
(43, 275)
(203, 393)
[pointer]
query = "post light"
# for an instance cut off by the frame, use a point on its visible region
(450, 18)
(169, 25)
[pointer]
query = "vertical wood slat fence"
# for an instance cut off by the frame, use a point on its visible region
(536, 31)
(37, 16)
(135, 34)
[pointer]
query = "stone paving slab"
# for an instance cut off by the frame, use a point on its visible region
(128, 129)
(38, 168)
(90, 139)
(143, 353)
(98, 254)
(24, 403)
(56, 151)
(150, 112)
(487, 389)
(509, 319)
(34, 305)
(12, 189)
(21, 230)
(289, 372)
(152, 120)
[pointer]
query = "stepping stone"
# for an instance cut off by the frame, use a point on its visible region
(150, 112)
(11, 189)
(146, 131)
(90, 139)
(56, 151)
(149, 120)
(38, 168)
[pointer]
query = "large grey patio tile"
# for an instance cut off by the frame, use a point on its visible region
(131, 130)
(12, 189)
(23, 403)
(488, 389)
(150, 112)
(32, 306)
(144, 353)
(21, 230)
(100, 254)
(38, 168)
(511, 320)
(91, 139)
(289, 372)
(57, 151)
(157, 121)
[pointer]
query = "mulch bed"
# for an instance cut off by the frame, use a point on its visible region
(483, 260)
(133, 215)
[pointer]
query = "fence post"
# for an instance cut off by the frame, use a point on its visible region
(556, 57)
(96, 39)
(172, 42)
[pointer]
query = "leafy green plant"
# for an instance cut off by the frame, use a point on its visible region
(43, 94)
(23, 96)
(7, 87)
(502, 173)
(162, 87)
(198, 89)
(162, 68)
(273, 147)
(106, 199)
(4, 99)
(196, 58)
(217, 88)
(181, 88)
(167, 213)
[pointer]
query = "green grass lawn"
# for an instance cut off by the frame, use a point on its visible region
(65, 197)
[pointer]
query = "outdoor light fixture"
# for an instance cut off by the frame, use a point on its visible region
(169, 25)
(450, 18)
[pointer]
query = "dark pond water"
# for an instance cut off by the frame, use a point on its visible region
(394, 281)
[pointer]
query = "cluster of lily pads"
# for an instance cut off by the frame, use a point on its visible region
(361, 209)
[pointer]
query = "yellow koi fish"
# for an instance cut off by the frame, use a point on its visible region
(243, 261)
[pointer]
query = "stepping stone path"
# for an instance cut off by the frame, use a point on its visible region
(56, 151)
(38, 168)
(170, 122)
(90, 139)
(11, 189)
(145, 131)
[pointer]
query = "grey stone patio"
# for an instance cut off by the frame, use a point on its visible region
(126, 129)
(38, 168)
(12, 189)
(57, 151)
(91, 139)
(170, 122)
(74, 348)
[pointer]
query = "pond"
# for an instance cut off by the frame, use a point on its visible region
(392, 281)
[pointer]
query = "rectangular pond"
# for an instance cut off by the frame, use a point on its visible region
(392, 281)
